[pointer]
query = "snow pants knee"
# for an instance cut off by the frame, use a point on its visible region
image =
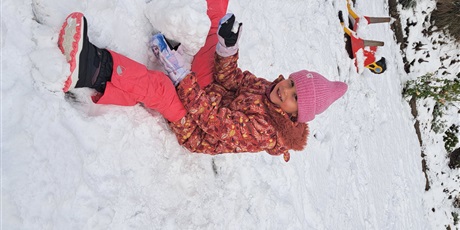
(133, 83)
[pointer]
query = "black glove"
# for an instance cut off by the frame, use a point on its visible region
(227, 32)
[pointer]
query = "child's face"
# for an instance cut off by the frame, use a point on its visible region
(284, 94)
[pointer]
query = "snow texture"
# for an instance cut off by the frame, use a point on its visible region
(440, 55)
(70, 164)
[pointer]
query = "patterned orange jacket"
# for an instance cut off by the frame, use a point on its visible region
(234, 114)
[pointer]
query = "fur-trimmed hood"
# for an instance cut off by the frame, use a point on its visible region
(290, 133)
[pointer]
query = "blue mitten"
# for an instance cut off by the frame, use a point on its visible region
(171, 60)
(229, 32)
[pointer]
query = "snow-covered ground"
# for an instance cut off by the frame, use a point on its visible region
(70, 164)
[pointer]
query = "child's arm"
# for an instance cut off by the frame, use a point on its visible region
(227, 73)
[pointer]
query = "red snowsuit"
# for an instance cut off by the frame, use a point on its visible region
(234, 114)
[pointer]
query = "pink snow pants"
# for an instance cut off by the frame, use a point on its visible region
(133, 83)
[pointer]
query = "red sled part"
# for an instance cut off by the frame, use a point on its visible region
(357, 44)
(368, 47)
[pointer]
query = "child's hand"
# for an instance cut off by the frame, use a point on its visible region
(229, 29)
(172, 61)
(229, 32)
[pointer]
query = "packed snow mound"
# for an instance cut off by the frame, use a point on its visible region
(183, 21)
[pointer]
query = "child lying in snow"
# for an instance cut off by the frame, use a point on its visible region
(217, 108)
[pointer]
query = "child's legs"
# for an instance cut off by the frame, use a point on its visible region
(132, 83)
(203, 62)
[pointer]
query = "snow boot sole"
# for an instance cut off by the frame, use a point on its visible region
(70, 43)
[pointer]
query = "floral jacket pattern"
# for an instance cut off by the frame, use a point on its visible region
(234, 114)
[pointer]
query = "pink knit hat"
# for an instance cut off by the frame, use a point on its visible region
(315, 93)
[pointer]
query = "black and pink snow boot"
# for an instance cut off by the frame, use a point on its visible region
(89, 66)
